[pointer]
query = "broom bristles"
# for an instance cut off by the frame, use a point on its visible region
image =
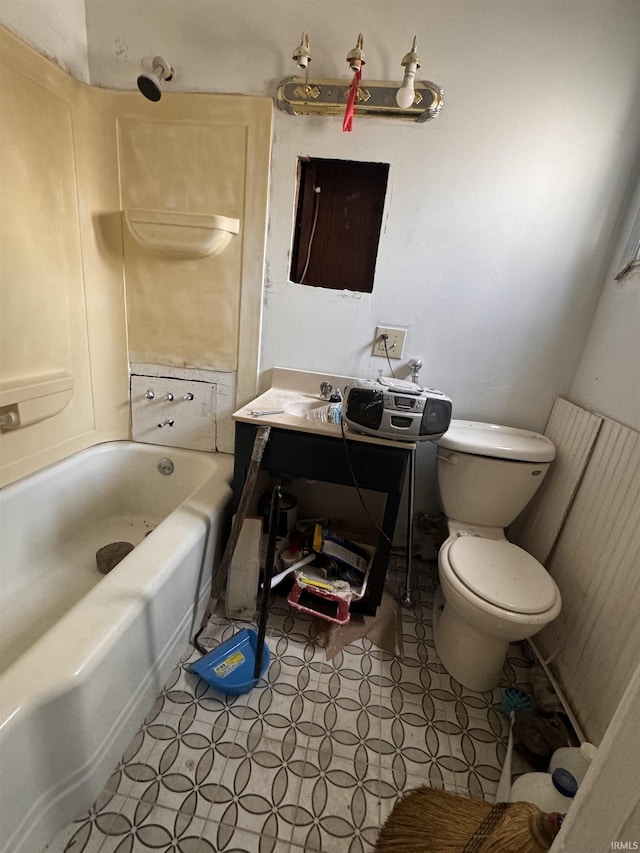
(513, 833)
(428, 813)
(431, 821)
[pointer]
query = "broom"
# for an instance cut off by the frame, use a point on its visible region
(431, 821)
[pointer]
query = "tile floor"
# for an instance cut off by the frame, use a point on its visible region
(312, 759)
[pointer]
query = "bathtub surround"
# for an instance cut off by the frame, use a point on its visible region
(62, 300)
(196, 156)
(82, 654)
(85, 157)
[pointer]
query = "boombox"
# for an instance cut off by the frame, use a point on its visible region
(394, 408)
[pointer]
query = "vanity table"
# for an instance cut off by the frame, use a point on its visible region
(301, 446)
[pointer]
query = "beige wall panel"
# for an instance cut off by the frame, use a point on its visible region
(210, 127)
(61, 291)
(596, 639)
(183, 312)
(44, 329)
(39, 239)
(573, 431)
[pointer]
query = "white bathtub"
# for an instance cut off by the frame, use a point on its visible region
(83, 655)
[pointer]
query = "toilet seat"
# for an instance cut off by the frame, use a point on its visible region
(502, 574)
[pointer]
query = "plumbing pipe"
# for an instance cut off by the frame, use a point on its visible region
(275, 580)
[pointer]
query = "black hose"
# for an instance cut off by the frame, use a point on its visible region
(200, 648)
(274, 518)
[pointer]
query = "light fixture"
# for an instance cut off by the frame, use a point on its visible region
(302, 54)
(355, 57)
(150, 83)
(413, 101)
(355, 60)
(411, 62)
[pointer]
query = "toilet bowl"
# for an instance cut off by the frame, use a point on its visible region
(496, 593)
(492, 592)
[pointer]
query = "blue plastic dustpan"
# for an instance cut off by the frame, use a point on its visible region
(230, 667)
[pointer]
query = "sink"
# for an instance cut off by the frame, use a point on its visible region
(303, 408)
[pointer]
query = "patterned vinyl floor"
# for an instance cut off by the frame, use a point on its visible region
(312, 759)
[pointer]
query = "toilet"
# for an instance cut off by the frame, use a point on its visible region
(491, 592)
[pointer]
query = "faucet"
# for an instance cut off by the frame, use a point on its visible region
(328, 392)
(414, 366)
(325, 390)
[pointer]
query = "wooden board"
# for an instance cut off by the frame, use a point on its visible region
(595, 641)
(574, 431)
(244, 572)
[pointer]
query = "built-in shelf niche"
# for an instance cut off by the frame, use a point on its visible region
(174, 234)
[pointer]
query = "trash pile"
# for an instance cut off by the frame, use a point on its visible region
(330, 571)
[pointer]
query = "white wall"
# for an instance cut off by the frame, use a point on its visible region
(499, 213)
(608, 377)
(57, 29)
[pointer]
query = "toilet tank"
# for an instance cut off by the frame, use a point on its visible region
(488, 473)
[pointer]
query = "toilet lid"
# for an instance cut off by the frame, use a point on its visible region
(502, 574)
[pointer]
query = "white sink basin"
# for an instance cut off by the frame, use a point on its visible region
(303, 408)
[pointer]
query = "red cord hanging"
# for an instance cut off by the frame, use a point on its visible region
(347, 124)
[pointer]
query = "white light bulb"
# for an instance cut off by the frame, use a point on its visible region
(406, 93)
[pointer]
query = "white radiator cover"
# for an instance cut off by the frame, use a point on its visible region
(585, 527)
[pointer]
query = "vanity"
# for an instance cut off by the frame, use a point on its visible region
(303, 445)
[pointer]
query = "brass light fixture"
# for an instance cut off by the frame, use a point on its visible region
(411, 100)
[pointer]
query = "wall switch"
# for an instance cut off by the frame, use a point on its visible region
(395, 341)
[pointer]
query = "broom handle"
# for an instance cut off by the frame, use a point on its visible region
(274, 517)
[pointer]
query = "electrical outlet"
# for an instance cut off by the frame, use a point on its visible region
(394, 342)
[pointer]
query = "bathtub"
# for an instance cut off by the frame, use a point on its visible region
(83, 655)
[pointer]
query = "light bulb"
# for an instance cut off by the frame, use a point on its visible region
(406, 93)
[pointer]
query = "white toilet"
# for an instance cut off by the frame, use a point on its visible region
(492, 592)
